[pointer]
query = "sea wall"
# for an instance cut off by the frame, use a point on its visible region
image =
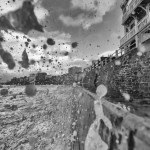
(117, 127)
(129, 73)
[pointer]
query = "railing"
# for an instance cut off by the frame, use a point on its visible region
(135, 30)
(132, 6)
(117, 54)
(143, 23)
(128, 36)
(145, 37)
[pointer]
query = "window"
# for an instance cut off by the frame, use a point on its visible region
(132, 25)
(148, 31)
(141, 14)
(133, 44)
(124, 10)
(127, 30)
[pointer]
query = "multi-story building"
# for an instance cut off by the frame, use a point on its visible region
(136, 22)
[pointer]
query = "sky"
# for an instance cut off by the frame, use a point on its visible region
(94, 24)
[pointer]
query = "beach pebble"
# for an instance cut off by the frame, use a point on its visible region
(30, 90)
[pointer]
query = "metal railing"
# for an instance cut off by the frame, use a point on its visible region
(145, 37)
(128, 36)
(115, 56)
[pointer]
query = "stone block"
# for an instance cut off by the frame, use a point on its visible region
(142, 85)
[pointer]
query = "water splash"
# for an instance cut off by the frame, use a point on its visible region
(126, 96)
(117, 62)
(101, 91)
(93, 140)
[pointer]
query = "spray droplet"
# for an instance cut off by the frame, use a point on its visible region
(139, 53)
(101, 90)
(142, 49)
(126, 96)
(74, 84)
(117, 63)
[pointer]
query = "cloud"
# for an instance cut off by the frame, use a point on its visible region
(59, 54)
(115, 35)
(40, 12)
(75, 61)
(106, 54)
(9, 6)
(94, 12)
(6, 7)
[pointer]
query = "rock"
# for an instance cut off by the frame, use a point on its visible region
(13, 107)
(52, 141)
(74, 84)
(30, 90)
(20, 93)
(4, 92)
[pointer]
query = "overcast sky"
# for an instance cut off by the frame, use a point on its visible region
(94, 24)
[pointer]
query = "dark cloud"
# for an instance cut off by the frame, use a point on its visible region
(27, 44)
(1, 39)
(50, 41)
(74, 44)
(50, 60)
(32, 62)
(7, 58)
(24, 19)
(25, 60)
(64, 53)
(44, 46)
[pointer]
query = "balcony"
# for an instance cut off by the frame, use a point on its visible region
(128, 36)
(145, 37)
(124, 3)
(131, 7)
(143, 23)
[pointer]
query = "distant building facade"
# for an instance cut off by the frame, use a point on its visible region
(74, 70)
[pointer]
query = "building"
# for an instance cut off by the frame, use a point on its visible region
(136, 22)
(74, 70)
(93, 62)
(48, 76)
(41, 77)
(87, 69)
(32, 78)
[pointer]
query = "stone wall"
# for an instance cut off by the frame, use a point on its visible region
(89, 81)
(131, 76)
